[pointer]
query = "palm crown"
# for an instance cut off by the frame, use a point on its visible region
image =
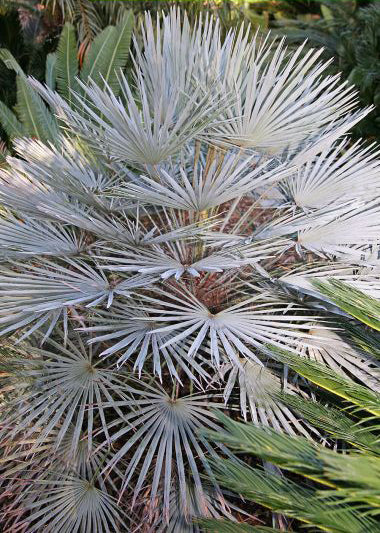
(150, 254)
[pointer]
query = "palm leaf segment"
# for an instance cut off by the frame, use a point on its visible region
(145, 224)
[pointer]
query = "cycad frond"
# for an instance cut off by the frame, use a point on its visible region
(285, 496)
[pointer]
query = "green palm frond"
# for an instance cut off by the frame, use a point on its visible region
(223, 526)
(309, 460)
(335, 422)
(324, 377)
(352, 301)
(108, 54)
(284, 496)
(67, 63)
(10, 123)
(33, 113)
(35, 118)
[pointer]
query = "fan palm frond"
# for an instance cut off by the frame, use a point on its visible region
(65, 389)
(345, 231)
(142, 137)
(177, 258)
(259, 390)
(139, 340)
(71, 503)
(33, 237)
(262, 75)
(74, 172)
(337, 174)
(161, 431)
(239, 329)
(185, 519)
(167, 220)
(221, 178)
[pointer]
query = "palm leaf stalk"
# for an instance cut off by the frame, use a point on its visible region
(145, 265)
